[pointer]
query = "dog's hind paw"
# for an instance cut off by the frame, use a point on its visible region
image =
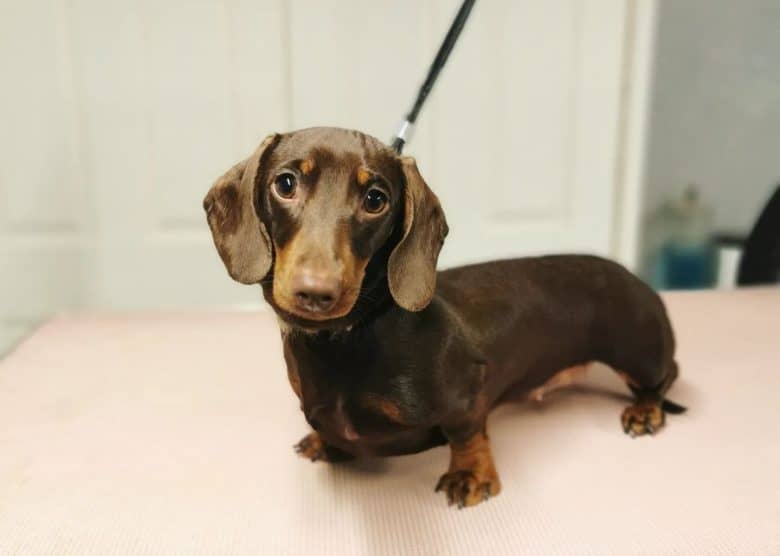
(642, 419)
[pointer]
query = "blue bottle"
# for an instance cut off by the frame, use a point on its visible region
(685, 256)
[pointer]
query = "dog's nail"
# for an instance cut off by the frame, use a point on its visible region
(453, 494)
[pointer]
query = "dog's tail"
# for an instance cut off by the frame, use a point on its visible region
(673, 408)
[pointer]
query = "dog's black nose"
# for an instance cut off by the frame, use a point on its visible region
(315, 292)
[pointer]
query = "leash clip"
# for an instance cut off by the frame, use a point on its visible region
(405, 131)
(404, 134)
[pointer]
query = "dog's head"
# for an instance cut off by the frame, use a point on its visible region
(324, 218)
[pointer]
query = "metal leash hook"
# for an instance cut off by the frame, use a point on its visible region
(407, 126)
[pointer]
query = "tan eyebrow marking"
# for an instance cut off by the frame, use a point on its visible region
(363, 176)
(307, 166)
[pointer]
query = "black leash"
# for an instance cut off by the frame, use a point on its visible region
(405, 131)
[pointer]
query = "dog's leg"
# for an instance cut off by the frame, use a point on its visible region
(647, 414)
(313, 448)
(472, 476)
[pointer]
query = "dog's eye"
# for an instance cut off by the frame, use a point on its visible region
(284, 184)
(375, 201)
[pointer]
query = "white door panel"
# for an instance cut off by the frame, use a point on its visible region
(359, 64)
(525, 129)
(45, 210)
(181, 93)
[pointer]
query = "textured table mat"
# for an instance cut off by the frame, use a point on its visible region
(172, 434)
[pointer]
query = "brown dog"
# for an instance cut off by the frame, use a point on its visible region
(390, 357)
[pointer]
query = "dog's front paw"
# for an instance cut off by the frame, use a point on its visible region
(311, 447)
(465, 487)
(642, 419)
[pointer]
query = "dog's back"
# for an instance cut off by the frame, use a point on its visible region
(535, 316)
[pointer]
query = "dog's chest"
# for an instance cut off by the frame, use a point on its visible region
(355, 393)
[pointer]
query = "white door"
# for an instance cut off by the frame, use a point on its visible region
(122, 113)
(520, 136)
(45, 202)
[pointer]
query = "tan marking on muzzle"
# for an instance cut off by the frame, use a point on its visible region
(354, 268)
(301, 249)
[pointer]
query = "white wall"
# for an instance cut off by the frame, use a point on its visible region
(715, 118)
(118, 115)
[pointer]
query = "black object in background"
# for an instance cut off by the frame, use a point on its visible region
(760, 262)
(446, 47)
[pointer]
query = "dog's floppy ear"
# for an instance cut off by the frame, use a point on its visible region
(411, 269)
(240, 237)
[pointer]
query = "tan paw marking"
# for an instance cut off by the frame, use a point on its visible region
(464, 488)
(642, 419)
(311, 447)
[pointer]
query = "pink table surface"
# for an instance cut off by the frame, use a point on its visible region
(173, 433)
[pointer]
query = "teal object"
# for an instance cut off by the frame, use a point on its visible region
(688, 267)
(683, 254)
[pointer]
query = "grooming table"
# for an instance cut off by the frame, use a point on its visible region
(173, 434)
